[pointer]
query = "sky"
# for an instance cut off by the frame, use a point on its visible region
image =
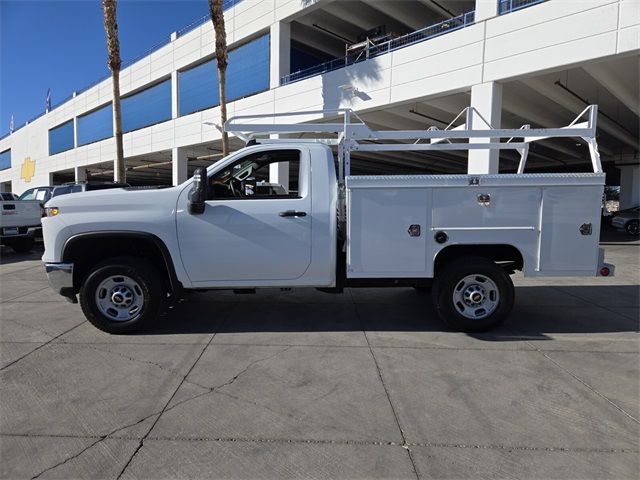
(61, 45)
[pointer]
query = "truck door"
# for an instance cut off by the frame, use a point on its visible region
(252, 230)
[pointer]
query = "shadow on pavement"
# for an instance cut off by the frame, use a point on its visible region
(8, 256)
(405, 310)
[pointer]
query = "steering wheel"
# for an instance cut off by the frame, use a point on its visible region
(237, 192)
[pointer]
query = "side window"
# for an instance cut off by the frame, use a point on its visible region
(76, 188)
(261, 175)
(28, 195)
(61, 191)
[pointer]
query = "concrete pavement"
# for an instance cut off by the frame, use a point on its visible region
(368, 384)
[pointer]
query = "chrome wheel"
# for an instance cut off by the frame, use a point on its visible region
(476, 297)
(119, 298)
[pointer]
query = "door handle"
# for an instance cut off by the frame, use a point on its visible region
(292, 213)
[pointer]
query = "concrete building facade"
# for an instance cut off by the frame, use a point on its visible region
(399, 64)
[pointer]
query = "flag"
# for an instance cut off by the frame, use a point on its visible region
(48, 101)
(11, 125)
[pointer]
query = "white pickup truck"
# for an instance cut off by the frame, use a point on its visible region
(125, 252)
(19, 223)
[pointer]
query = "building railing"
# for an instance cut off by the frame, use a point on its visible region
(508, 6)
(432, 31)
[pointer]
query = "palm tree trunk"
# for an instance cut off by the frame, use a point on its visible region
(217, 18)
(113, 50)
(120, 171)
(222, 79)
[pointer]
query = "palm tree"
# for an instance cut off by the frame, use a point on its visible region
(217, 18)
(113, 48)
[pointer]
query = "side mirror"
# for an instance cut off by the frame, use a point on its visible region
(200, 191)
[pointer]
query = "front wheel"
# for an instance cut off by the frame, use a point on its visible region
(23, 245)
(473, 294)
(633, 228)
(122, 295)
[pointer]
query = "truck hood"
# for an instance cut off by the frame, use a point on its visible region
(114, 199)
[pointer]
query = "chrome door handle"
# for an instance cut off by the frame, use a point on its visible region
(292, 213)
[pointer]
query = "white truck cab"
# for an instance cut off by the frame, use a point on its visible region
(126, 251)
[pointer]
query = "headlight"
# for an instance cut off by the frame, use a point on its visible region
(52, 211)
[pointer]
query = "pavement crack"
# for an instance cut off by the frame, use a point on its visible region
(166, 405)
(404, 445)
(26, 295)
(247, 368)
(53, 339)
(98, 440)
(584, 383)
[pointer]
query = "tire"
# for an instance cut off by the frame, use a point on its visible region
(473, 294)
(132, 282)
(23, 245)
(632, 228)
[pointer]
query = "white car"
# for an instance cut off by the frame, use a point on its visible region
(19, 223)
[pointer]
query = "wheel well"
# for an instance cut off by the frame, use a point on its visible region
(508, 255)
(86, 251)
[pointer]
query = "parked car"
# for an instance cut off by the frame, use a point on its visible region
(19, 223)
(89, 186)
(628, 220)
(8, 196)
(42, 194)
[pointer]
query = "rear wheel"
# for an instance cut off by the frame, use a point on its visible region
(122, 295)
(632, 228)
(473, 294)
(23, 245)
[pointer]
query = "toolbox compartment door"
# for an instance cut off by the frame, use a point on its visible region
(380, 243)
(570, 230)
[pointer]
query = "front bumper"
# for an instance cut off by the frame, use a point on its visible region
(60, 276)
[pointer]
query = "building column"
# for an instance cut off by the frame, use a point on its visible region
(280, 52)
(80, 174)
(279, 172)
(179, 165)
(486, 98)
(629, 186)
(486, 9)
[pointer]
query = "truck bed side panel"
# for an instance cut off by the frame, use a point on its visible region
(539, 214)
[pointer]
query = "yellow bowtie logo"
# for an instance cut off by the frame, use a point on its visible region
(28, 169)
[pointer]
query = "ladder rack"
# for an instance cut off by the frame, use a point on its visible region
(352, 136)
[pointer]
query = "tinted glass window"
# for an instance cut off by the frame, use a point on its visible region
(61, 138)
(247, 73)
(105, 186)
(61, 191)
(5, 160)
(28, 194)
(147, 107)
(95, 126)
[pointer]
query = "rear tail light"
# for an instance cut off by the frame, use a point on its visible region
(604, 271)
